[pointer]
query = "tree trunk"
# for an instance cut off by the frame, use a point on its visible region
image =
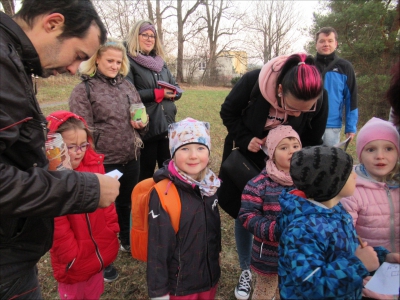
(9, 7)
(179, 71)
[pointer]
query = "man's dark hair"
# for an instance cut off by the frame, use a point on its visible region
(326, 31)
(79, 15)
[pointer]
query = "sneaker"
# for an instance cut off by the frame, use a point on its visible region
(243, 288)
(125, 248)
(110, 274)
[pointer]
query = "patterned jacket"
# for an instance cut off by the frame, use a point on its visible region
(316, 251)
(260, 207)
(187, 262)
(106, 110)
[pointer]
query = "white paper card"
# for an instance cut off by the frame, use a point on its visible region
(343, 145)
(386, 280)
(114, 173)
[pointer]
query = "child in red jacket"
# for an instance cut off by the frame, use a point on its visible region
(84, 244)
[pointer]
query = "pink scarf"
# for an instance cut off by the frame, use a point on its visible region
(278, 176)
(267, 82)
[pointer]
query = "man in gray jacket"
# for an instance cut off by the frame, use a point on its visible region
(46, 37)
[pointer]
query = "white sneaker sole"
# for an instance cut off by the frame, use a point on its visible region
(111, 280)
(240, 297)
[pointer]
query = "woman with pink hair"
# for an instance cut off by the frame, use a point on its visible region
(287, 90)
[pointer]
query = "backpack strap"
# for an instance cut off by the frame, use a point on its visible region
(87, 89)
(170, 201)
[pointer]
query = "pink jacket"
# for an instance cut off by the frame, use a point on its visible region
(375, 209)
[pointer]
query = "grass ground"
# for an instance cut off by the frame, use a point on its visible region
(202, 103)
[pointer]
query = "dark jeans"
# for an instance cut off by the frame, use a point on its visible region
(153, 152)
(128, 181)
(24, 287)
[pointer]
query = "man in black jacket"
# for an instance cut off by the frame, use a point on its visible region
(46, 37)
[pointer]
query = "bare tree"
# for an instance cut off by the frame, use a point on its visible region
(182, 20)
(9, 7)
(272, 23)
(119, 15)
(222, 20)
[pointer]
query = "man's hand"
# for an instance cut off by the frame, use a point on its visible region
(109, 190)
(351, 135)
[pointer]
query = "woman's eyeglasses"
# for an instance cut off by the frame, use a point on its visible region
(289, 109)
(147, 37)
(82, 147)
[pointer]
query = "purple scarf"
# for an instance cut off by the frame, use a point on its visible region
(153, 63)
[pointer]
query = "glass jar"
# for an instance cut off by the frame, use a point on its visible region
(57, 153)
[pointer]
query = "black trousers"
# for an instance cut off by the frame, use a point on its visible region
(153, 152)
(127, 181)
(24, 287)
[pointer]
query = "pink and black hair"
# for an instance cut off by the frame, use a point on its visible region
(300, 77)
(392, 94)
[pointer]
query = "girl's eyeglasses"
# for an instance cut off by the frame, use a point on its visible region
(147, 37)
(82, 147)
(283, 105)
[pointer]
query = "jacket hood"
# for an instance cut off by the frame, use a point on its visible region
(267, 79)
(294, 206)
(56, 119)
(364, 180)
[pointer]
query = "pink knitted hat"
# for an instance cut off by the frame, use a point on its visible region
(276, 135)
(377, 129)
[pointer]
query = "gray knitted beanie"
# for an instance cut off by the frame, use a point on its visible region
(320, 171)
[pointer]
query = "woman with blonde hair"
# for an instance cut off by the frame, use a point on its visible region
(103, 99)
(147, 67)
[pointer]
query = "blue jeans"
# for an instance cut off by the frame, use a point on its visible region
(244, 243)
(331, 136)
(24, 287)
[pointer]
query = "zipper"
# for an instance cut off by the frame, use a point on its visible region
(179, 267)
(206, 234)
(94, 242)
(16, 123)
(392, 226)
(262, 244)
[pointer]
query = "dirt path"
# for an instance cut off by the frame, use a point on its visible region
(52, 104)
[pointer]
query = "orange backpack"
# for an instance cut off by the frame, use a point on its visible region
(170, 201)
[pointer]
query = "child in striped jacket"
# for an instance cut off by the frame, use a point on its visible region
(260, 207)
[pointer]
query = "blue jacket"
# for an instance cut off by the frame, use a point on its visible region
(316, 252)
(340, 83)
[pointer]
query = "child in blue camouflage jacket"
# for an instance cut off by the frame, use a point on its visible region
(319, 253)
